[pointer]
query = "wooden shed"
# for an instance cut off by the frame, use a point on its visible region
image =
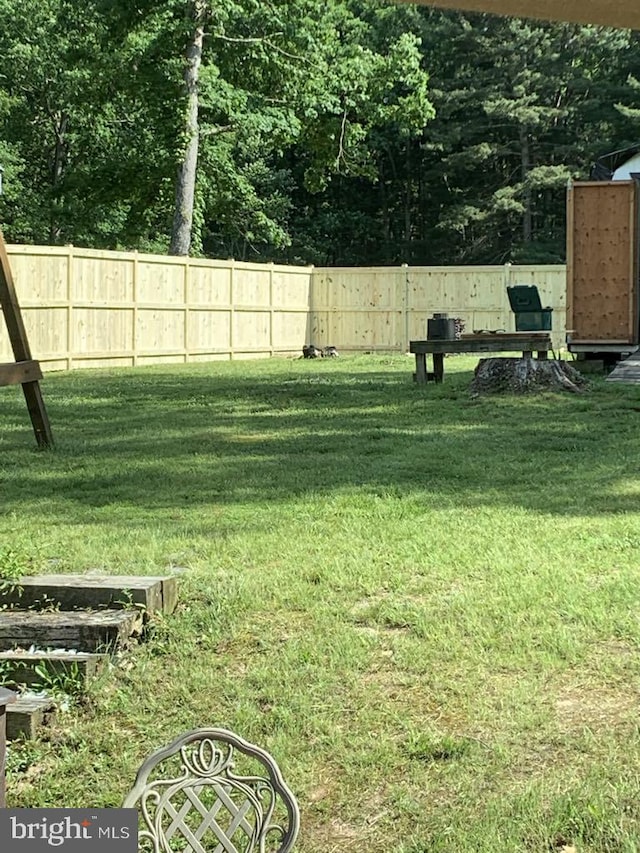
(603, 267)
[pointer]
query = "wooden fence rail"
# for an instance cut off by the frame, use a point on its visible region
(89, 308)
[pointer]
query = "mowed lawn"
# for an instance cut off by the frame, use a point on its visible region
(425, 605)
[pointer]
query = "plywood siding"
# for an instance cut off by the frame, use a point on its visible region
(602, 262)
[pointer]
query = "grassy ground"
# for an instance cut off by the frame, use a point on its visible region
(425, 605)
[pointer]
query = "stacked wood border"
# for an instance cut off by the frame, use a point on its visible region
(88, 308)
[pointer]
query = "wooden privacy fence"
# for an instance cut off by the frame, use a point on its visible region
(384, 308)
(88, 308)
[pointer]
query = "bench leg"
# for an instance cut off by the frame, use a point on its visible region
(527, 353)
(438, 366)
(421, 368)
(542, 355)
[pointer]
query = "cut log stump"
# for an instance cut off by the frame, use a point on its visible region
(525, 376)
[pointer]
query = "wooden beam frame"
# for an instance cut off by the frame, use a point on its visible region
(25, 371)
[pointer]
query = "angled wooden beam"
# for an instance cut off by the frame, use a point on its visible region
(22, 353)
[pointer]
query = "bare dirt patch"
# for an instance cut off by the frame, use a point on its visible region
(596, 707)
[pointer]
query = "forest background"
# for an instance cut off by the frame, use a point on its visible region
(342, 133)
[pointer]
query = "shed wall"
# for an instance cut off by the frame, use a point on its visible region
(602, 262)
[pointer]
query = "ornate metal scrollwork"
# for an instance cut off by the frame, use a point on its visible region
(207, 806)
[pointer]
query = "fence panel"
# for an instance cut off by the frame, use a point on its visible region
(86, 308)
(353, 308)
(359, 308)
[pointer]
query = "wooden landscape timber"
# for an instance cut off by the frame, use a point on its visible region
(66, 644)
(622, 13)
(71, 592)
(28, 714)
(20, 667)
(92, 631)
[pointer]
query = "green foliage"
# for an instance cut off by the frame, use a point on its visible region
(12, 567)
(350, 132)
(427, 747)
(67, 681)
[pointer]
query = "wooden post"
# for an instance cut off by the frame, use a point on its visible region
(438, 366)
(405, 309)
(69, 307)
(232, 319)
(22, 351)
(421, 368)
(6, 697)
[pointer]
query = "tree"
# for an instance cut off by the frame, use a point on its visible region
(187, 170)
(513, 125)
(303, 131)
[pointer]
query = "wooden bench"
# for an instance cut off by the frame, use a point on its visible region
(525, 342)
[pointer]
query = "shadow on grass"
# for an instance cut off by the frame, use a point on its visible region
(172, 437)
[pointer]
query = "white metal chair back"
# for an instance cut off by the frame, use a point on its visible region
(210, 791)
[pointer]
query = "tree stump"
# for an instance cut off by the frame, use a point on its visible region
(525, 376)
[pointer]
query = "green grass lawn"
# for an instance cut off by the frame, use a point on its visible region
(425, 605)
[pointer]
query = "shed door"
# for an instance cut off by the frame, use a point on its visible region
(602, 262)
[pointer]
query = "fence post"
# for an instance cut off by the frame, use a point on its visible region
(70, 279)
(134, 286)
(232, 302)
(6, 697)
(506, 308)
(405, 309)
(185, 296)
(271, 350)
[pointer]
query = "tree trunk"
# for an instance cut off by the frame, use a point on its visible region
(60, 121)
(527, 217)
(408, 198)
(384, 210)
(187, 170)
